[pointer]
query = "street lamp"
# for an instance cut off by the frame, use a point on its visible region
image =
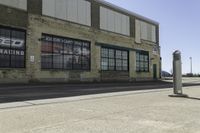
(191, 65)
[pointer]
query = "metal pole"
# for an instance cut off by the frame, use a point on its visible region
(177, 72)
(191, 65)
(177, 75)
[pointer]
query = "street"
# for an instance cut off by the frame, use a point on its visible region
(14, 93)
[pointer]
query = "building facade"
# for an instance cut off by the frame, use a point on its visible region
(76, 41)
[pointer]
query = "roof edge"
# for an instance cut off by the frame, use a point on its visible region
(127, 11)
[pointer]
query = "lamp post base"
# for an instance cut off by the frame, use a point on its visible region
(178, 95)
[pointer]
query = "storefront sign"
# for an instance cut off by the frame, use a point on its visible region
(11, 52)
(14, 43)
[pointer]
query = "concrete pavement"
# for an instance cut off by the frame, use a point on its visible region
(148, 111)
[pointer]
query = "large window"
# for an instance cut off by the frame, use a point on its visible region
(142, 61)
(64, 53)
(12, 48)
(114, 59)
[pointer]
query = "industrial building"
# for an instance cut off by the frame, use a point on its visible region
(76, 41)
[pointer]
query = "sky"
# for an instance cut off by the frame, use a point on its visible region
(179, 28)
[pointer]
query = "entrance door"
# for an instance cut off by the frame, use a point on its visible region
(154, 71)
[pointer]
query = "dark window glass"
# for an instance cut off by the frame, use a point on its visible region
(46, 60)
(4, 60)
(64, 53)
(114, 59)
(57, 53)
(68, 48)
(77, 62)
(12, 48)
(47, 52)
(85, 62)
(86, 51)
(142, 61)
(77, 48)
(68, 61)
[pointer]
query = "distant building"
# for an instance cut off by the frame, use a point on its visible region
(76, 40)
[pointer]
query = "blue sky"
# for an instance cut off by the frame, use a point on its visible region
(179, 27)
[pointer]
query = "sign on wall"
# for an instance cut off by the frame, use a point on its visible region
(14, 43)
(8, 46)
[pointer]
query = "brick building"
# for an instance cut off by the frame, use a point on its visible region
(76, 40)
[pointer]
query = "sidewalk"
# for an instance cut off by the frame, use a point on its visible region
(148, 111)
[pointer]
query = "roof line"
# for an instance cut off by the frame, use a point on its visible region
(127, 11)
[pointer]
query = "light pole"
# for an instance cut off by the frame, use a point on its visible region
(191, 65)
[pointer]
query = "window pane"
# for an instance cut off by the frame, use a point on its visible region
(125, 55)
(111, 64)
(85, 63)
(77, 48)
(137, 56)
(57, 45)
(104, 52)
(17, 61)
(68, 62)
(86, 44)
(111, 53)
(57, 53)
(17, 40)
(118, 54)
(142, 63)
(125, 63)
(68, 49)
(104, 64)
(118, 64)
(57, 61)
(5, 32)
(47, 47)
(4, 60)
(77, 62)
(47, 60)
(146, 58)
(86, 51)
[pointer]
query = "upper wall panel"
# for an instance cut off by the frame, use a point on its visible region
(113, 21)
(20, 4)
(78, 11)
(145, 31)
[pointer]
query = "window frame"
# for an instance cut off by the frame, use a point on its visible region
(11, 29)
(139, 61)
(115, 59)
(63, 54)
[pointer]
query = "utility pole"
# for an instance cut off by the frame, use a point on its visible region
(191, 65)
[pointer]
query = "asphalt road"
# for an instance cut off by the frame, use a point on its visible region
(14, 93)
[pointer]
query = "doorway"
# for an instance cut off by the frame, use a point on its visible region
(155, 71)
